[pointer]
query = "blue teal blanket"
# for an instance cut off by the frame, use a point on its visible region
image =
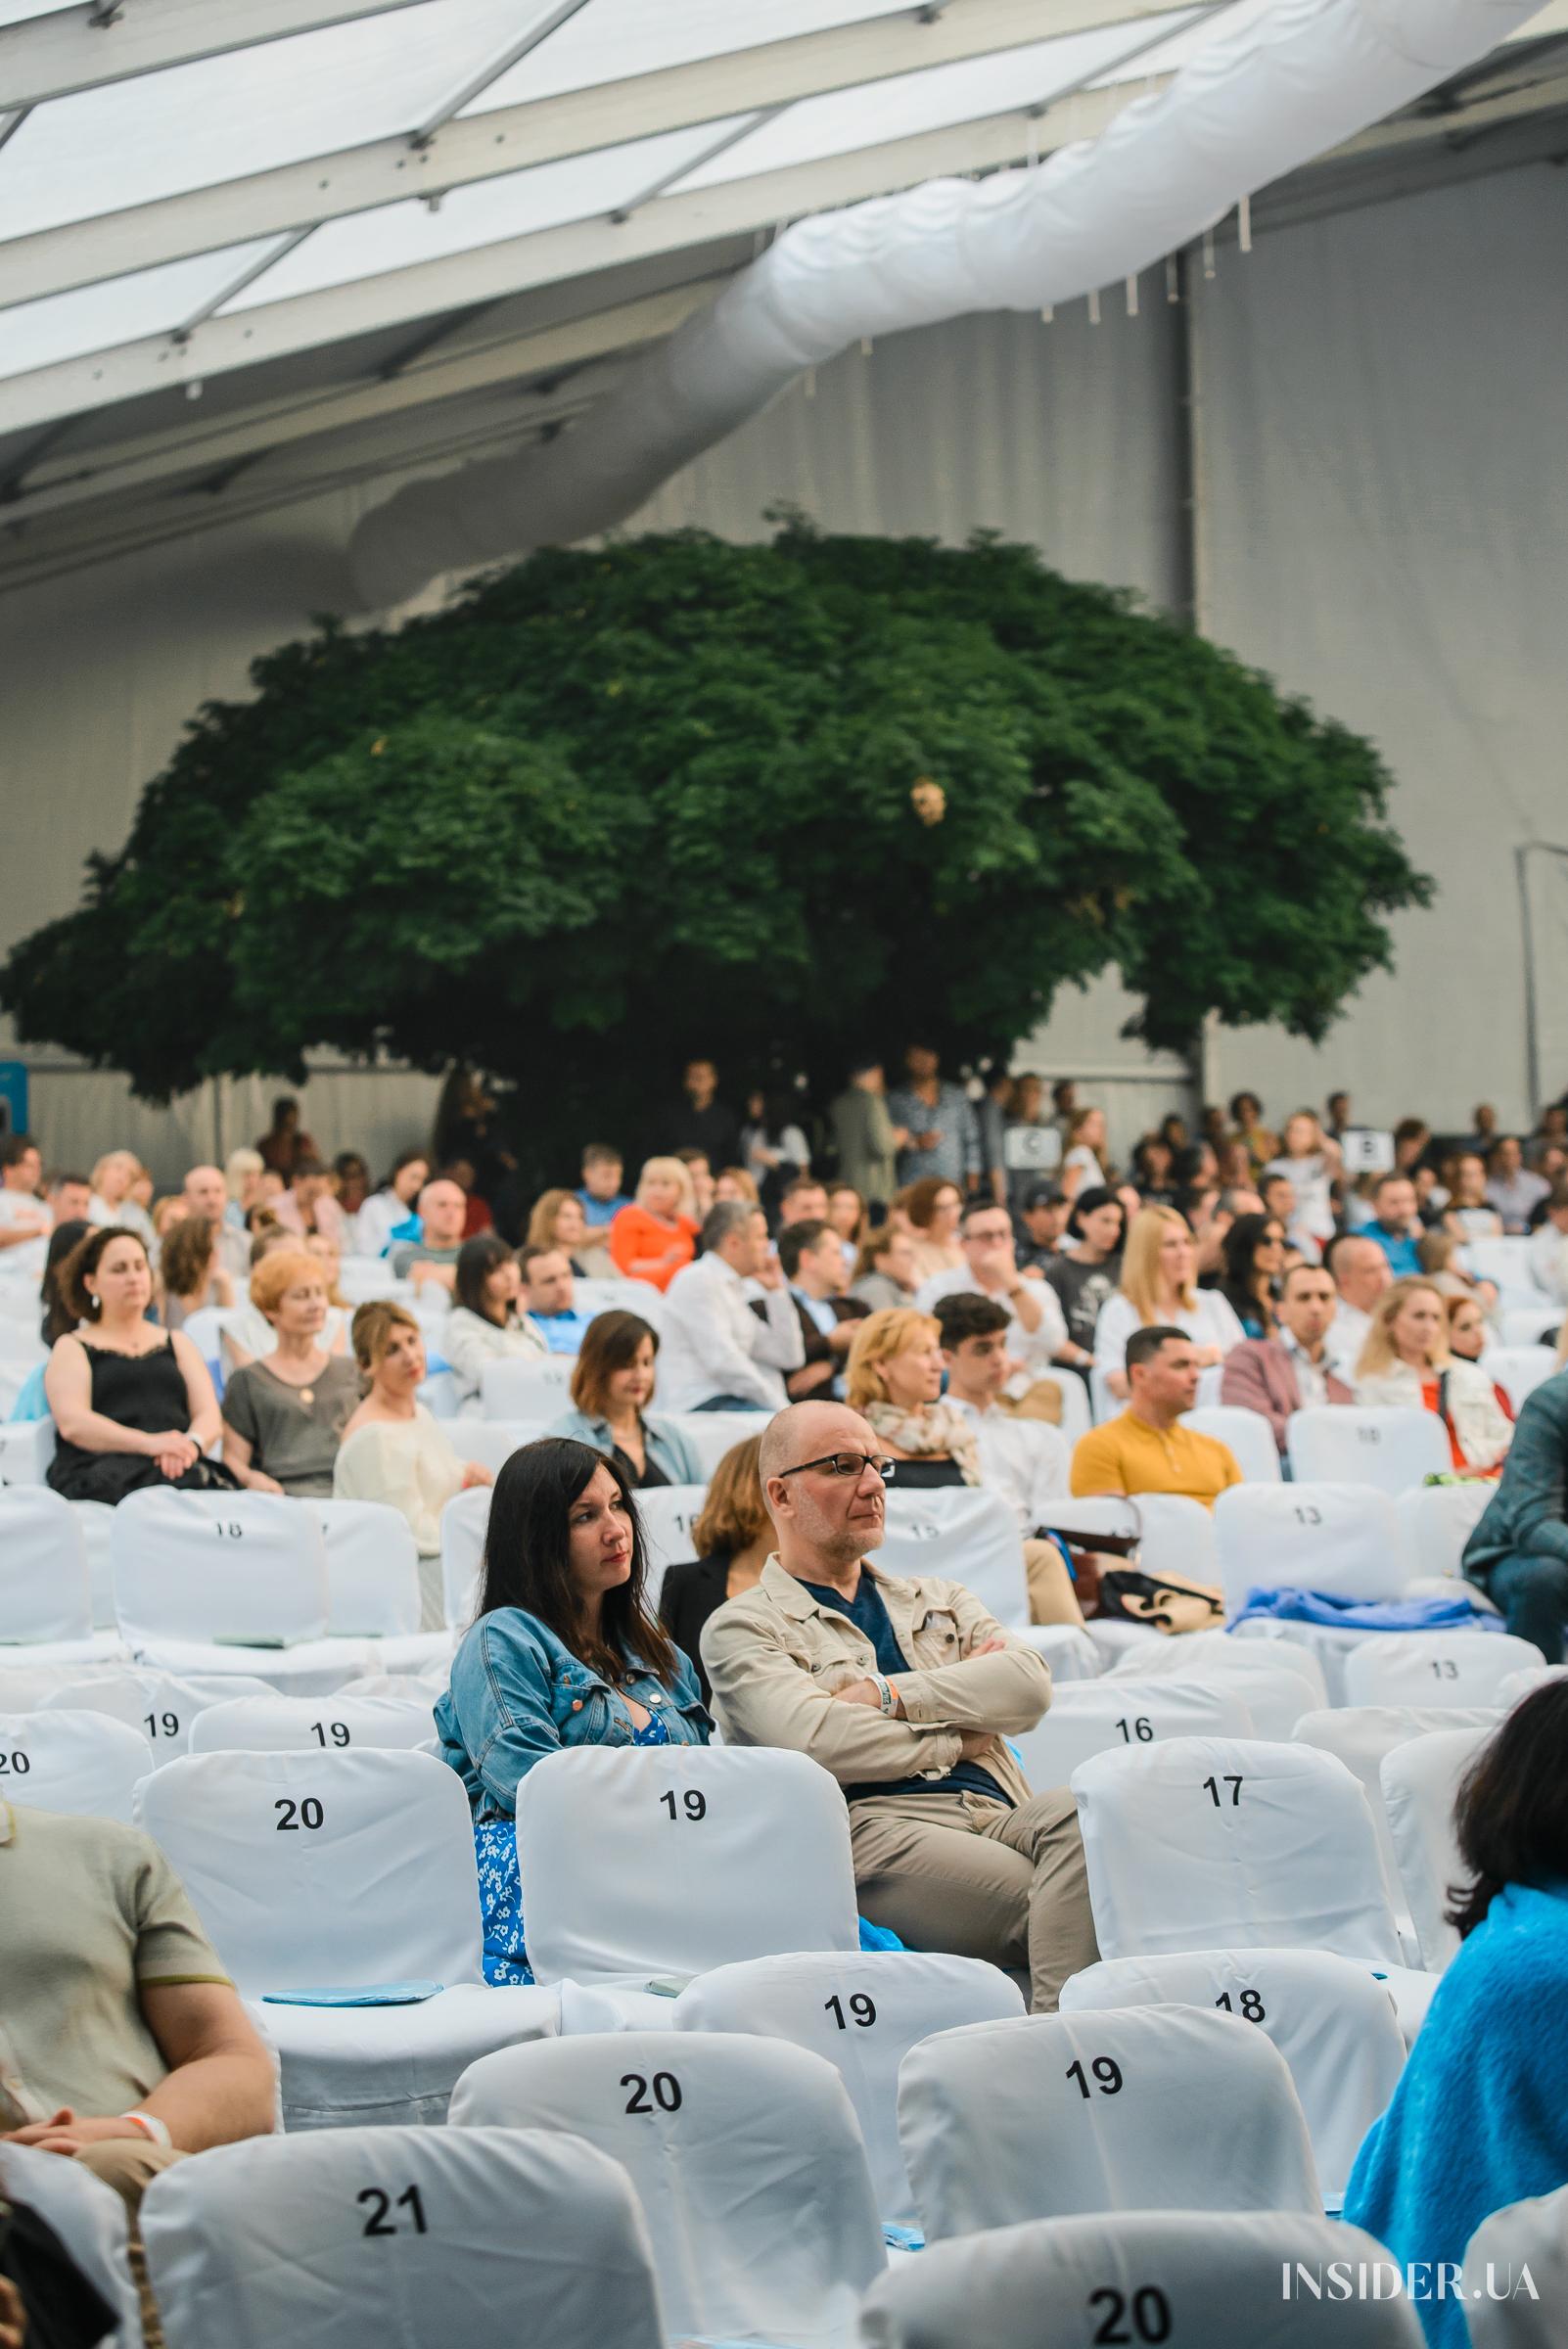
(1457, 1614)
(1480, 2116)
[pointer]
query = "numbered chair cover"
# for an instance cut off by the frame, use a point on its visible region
(1421, 1781)
(26, 1447)
(1053, 2115)
(373, 1590)
(966, 1534)
(746, 2157)
(96, 1521)
(46, 1599)
(1526, 2237)
(863, 2012)
(75, 1761)
(400, 2238)
(159, 1704)
(537, 1391)
(1178, 1537)
(1517, 1687)
(343, 1872)
(1187, 2280)
(668, 1512)
(1071, 1653)
(492, 1441)
(1332, 2022)
(663, 1861)
(1246, 1435)
(1106, 1716)
(710, 1433)
(88, 2217)
(1339, 1538)
(1519, 1369)
(1367, 1443)
(1437, 1521)
(1359, 1736)
(1277, 1682)
(465, 1521)
(1436, 1668)
(312, 1725)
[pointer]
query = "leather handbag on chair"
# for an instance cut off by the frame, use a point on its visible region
(1113, 1585)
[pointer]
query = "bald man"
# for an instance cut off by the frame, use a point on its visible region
(905, 1689)
(206, 1193)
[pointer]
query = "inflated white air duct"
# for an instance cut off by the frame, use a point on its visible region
(1247, 109)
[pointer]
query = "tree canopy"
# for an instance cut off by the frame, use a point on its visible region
(770, 803)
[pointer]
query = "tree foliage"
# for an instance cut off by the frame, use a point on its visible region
(772, 803)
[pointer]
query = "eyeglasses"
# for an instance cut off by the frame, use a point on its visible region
(844, 1463)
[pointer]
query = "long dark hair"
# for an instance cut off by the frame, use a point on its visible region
(526, 1559)
(609, 1344)
(59, 1318)
(476, 1259)
(1511, 1814)
(1239, 1286)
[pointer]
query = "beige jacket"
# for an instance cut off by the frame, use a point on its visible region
(774, 1657)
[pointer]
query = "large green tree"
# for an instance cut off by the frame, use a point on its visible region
(771, 801)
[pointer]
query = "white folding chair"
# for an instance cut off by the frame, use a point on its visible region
(1435, 1667)
(161, 1705)
(966, 1534)
(668, 1513)
(1053, 2115)
(1437, 1521)
(46, 1600)
(97, 1522)
(1193, 2280)
(1247, 1435)
(363, 1277)
(1331, 2021)
(1178, 1537)
(710, 1433)
(1520, 1684)
(1070, 1652)
(352, 2240)
(746, 2157)
(1502, 1258)
(465, 1521)
(1361, 1444)
(1077, 1418)
(1421, 1781)
(1339, 1538)
(91, 2222)
(536, 1390)
(82, 1763)
(373, 1589)
(1518, 1371)
(492, 1441)
(351, 1871)
(441, 1392)
(1522, 2235)
(26, 1447)
(664, 1861)
(1106, 1716)
(863, 2012)
(617, 1296)
(1083, 1516)
(1529, 1324)
(310, 1725)
(1277, 1681)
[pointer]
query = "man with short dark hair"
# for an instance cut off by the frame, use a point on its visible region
(1043, 1214)
(1518, 1554)
(601, 1196)
(206, 1193)
(1036, 1332)
(812, 1255)
(702, 1122)
(907, 1691)
(1022, 1459)
(1360, 1272)
(1145, 1448)
(802, 1201)
(1396, 1226)
(68, 1196)
(714, 1354)
(1548, 1247)
(549, 1298)
(1290, 1372)
(25, 1221)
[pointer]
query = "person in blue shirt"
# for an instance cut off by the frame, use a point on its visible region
(564, 1650)
(601, 1194)
(1396, 1227)
(549, 1299)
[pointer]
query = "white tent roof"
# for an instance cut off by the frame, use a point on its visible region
(351, 228)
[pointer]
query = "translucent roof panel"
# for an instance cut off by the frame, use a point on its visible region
(1218, 25)
(398, 235)
(610, 38)
(905, 104)
(279, 102)
(122, 309)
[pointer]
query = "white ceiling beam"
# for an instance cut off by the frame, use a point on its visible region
(542, 130)
(111, 473)
(80, 48)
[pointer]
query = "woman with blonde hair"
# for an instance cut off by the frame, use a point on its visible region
(733, 1539)
(242, 1179)
(114, 1179)
(656, 1236)
(284, 1416)
(1159, 1289)
(555, 1220)
(1406, 1362)
(932, 1209)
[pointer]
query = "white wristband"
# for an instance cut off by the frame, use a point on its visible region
(884, 1693)
(155, 2128)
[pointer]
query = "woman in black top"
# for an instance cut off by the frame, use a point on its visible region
(734, 1535)
(1254, 1259)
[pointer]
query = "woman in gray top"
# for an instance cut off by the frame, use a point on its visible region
(284, 1416)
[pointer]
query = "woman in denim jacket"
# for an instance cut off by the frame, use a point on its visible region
(564, 1650)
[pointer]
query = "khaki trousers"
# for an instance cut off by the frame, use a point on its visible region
(963, 1874)
(129, 2164)
(1051, 1596)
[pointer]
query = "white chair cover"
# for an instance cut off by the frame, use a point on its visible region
(26, 1447)
(357, 2240)
(45, 1589)
(1106, 1716)
(1191, 2280)
(534, 1390)
(1178, 1536)
(1277, 1682)
(1339, 1538)
(668, 1860)
(310, 1725)
(1053, 2115)
(1420, 1781)
(1502, 1257)
(668, 1512)
(1525, 2236)
(1435, 1667)
(90, 2220)
(97, 1522)
(863, 2012)
(492, 1441)
(1362, 1444)
(229, 1568)
(966, 1534)
(372, 1568)
(710, 1433)
(616, 1295)
(1070, 1652)
(1333, 2023)
(343, 1869)
(1437, 1521)
(1213, 1843)
(74, 1761)
(1076, 1417)
(1518, 1686)
(1359, 1736)
(1519, 1369)
(158, 1704)
(1529, 1324)
(745, 2155)
(465, 1521)
(1246, 1434)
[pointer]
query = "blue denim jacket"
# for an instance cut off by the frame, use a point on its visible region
(518, 1693)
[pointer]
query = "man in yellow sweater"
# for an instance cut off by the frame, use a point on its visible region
(1145, 1448)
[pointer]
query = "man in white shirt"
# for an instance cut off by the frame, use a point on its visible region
(714, 1354)
(1547, 1255)
(1360, 1273)
(1036, 1332)
(206, 1193)
(26, 1222)
(1511, 1188)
